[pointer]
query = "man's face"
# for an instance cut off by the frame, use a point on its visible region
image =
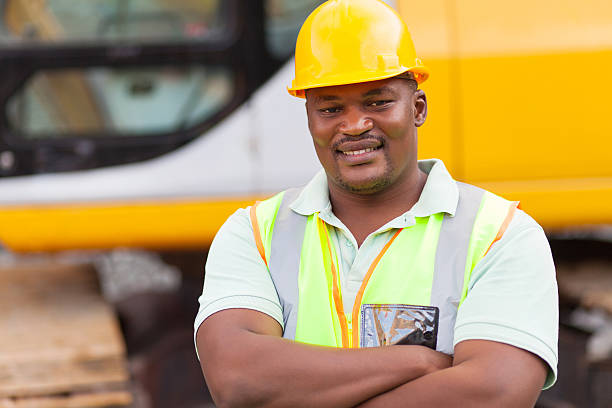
(365, 134)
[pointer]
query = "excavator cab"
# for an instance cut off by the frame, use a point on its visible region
(102, 83)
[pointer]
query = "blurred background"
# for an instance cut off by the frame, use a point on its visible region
(131, 129)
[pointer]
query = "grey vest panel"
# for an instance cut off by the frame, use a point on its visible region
(284, 265)
(451, 256)
(449, 269)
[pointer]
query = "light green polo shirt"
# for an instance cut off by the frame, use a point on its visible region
(512, 294)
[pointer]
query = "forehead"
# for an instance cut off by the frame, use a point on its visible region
(387, 87)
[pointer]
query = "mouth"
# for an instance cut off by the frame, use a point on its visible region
(359, 152)
(353, 147)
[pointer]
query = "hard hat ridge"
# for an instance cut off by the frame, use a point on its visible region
(352, 41)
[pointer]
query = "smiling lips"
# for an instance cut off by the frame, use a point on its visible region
(358, 148)
(358, 152)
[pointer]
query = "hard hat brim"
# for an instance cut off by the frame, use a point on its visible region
(421, 73)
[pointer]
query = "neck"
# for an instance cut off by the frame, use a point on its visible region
(365, 213)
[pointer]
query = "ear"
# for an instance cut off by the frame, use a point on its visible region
(308, 113)
(420, 108)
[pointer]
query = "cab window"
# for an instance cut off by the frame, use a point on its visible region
(111, 20)
(283, 21)
(118, 101)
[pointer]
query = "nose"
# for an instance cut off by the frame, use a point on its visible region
(355, 122)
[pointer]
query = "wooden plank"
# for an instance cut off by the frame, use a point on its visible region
(89, 400)
(587, 283)
(58, 333)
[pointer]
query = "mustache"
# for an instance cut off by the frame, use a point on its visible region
(363, 136)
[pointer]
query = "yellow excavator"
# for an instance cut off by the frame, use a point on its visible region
(151, 141)
(145, 123)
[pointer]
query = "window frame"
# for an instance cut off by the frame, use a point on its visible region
(242, 45)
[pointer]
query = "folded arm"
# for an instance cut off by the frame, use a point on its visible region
(246, 363)
(484, 374)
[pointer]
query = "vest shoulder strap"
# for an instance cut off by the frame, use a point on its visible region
(282, 257)
(480, 219)
(492, 221)
(450, 261)
(263, 216)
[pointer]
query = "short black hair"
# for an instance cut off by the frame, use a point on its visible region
(409, 76)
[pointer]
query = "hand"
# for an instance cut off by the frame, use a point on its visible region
(434, 360)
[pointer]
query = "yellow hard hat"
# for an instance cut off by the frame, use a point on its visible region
(352, 41)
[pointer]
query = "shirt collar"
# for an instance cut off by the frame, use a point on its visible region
(440, 193)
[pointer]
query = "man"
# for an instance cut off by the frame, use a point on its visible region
(453, 286)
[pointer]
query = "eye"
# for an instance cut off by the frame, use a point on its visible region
(330, 110)
(379, 103)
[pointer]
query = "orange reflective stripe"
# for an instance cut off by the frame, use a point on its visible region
(505, 224)
(257, 233)
(364, 284)
(336, 291)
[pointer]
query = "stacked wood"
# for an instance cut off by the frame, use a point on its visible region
(60, 342)
(588, 284)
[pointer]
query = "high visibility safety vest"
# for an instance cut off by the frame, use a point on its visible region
(427, 264)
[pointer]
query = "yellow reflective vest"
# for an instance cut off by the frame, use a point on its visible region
(427, 264)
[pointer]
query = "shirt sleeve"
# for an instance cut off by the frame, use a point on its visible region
(512, 295)
(235, 275)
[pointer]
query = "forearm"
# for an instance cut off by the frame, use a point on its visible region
(246, 369)
(449, 387)
(493, 379)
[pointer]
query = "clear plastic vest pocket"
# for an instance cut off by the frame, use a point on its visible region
(385, 325)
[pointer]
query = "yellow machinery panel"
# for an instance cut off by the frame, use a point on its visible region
(180, 224)
(524, 100)
(428, 25)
